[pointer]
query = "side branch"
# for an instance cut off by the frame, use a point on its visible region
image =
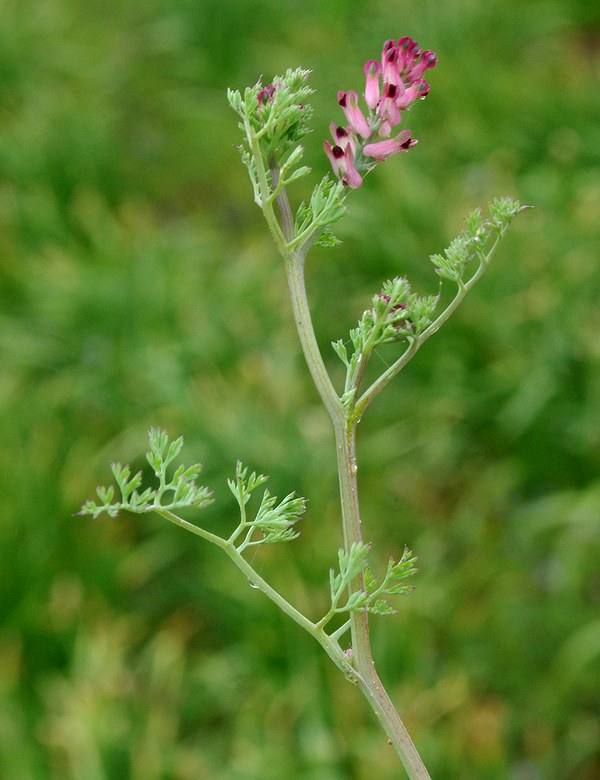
(416, 342)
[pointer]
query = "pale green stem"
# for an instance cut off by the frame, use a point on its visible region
(294, 261)
(287, 220)
(194, 529)
(354, 380)
(295, 273)
(242, 524)
(339, 632)
(265, 191)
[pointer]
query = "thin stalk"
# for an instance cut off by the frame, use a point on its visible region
(295, 274)
(265, 191)
(294, 262)
(294, 265)
(287, 219)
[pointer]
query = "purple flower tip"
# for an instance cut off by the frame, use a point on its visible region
(266, 94)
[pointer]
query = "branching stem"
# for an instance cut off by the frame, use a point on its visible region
(367, 677)
(329, 643)
(416, 342)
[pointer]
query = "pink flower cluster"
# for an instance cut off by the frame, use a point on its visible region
(392, 86)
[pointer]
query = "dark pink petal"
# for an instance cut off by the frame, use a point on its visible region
(390, 65)
(389, 44)
(342, 162)
(418, 90)
(343, 136)
(266, 94)
(408, 52)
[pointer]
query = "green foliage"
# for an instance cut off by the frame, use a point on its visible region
(355, 563)
(276, 117)
(326, 207)
(278, 113)
(273, 521)
(390, 319)
(392, 584)
(243, 484)
(473, 243)
(401, 315)
(177, 492)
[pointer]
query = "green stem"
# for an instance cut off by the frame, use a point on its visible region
(295, 274)
(287, 219)
(265, 191)
(194, 529)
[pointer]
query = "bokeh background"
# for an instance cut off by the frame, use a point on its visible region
(138, 287)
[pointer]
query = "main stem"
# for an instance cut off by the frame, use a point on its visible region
(369, 681)
(367, 678)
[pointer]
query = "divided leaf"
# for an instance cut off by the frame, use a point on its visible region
(274, 520)
(175, 493)
(354, 563)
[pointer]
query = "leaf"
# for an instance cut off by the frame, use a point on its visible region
(381, 607)
(180, 491)
(327, 239)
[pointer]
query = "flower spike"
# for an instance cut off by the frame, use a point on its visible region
(392, 86)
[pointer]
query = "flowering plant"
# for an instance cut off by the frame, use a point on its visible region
(273, 120)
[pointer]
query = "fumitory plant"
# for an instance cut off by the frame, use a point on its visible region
(273, 119)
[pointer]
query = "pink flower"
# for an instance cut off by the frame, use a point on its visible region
(428, 60)
(343, 137)
(372, 71)
(417, 90)
(388, 106)
(342, 155)
(381, 150)
(409, 51)
(392, 86)
(389, 63)
(266, 94)
(356, 119)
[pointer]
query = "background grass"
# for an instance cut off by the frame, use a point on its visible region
(138, 287)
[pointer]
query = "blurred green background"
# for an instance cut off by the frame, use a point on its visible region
(139, 287)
